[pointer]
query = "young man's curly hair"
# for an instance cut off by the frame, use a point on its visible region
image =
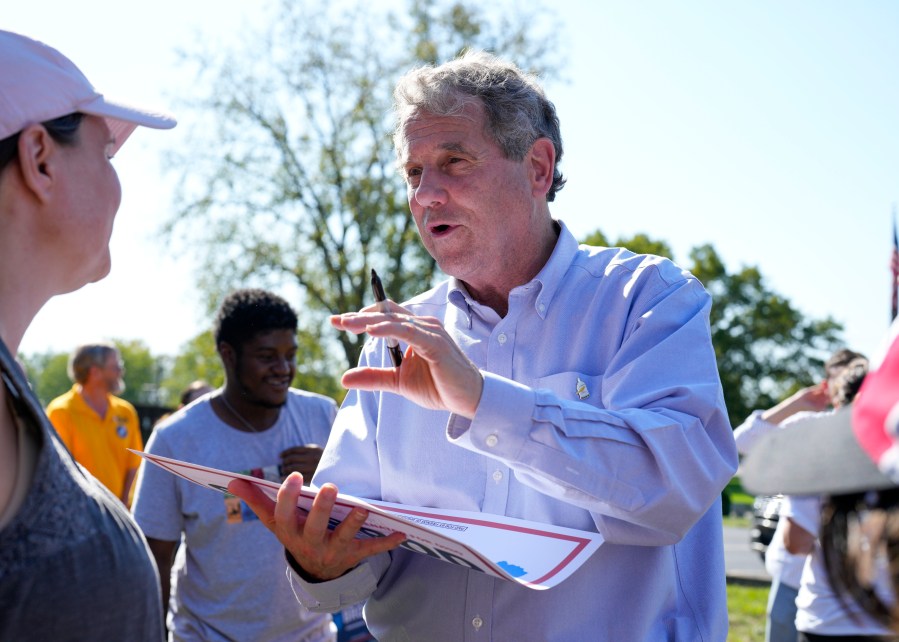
(245, 313)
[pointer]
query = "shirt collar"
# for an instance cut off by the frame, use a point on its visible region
(547, 281)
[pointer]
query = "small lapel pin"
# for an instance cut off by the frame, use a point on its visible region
(581, 389)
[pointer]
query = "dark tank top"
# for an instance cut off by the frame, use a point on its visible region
(73, 564)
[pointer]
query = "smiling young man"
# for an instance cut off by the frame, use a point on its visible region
(258, 425)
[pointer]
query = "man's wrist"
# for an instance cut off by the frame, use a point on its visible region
(305, 575)
(299, 570)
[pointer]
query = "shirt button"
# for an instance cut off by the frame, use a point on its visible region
(477, 622)
(541, 307)
(501, 338)
(497, 475)
(492, 440)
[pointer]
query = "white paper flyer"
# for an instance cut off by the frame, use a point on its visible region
(538, 556)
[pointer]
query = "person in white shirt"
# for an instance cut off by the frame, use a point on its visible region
(784, 567)
(843, 488)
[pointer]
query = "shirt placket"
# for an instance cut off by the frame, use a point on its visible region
(498, 359)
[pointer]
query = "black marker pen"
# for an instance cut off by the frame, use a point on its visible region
(396, 355)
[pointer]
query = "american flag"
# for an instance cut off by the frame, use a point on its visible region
(894, 267)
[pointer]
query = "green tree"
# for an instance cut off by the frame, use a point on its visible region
(143, 372)
(288, 180)
(639, 243)
(765, 347)
(47, 373)
(197, 359)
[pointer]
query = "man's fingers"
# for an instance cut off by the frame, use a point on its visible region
(354, 319)
(316, 528)
(286, 507)
(345, 537)
(359, 322)
(346, 532)
(377, 545)
(371, 379)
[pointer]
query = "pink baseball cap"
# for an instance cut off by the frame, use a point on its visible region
(37, 84)
(851, 450)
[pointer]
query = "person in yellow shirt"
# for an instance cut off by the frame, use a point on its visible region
(95, 425)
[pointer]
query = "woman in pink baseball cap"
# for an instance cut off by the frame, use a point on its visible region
(73, 564)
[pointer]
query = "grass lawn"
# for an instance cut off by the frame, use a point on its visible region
(745, 604)
(746, 611)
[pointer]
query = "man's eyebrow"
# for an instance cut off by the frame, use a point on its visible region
(446, 147)
(454, 147)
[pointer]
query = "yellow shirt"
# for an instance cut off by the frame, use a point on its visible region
(99, 443)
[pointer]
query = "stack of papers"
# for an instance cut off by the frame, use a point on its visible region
(538, 556)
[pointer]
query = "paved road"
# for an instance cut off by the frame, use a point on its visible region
(739, 559)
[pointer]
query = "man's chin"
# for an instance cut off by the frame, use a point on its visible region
(273, 404)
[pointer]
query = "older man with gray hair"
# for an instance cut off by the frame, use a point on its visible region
(544, 380)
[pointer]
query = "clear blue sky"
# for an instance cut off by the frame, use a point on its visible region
(768, 129)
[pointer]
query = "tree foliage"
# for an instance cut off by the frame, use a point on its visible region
(143, 372)
(197, 359)
(47, 374)
(765, 347)
(289, 181)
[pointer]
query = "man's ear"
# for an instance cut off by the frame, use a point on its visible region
(228, 355)
(542, 159)
(36, 159)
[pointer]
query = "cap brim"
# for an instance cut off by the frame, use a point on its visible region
(815, 456)
(123, 119)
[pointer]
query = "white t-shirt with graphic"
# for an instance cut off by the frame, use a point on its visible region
(228, 576)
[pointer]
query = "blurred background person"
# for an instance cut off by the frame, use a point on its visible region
(821, 614)
(73, 565)
(835, 457)
(194, 391)
(860, 530)
(785, 568)
(96, 426)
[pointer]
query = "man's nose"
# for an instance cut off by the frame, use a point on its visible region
(283, 365)
(430, 191)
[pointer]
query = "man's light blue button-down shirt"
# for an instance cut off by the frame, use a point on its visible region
(602, 410)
